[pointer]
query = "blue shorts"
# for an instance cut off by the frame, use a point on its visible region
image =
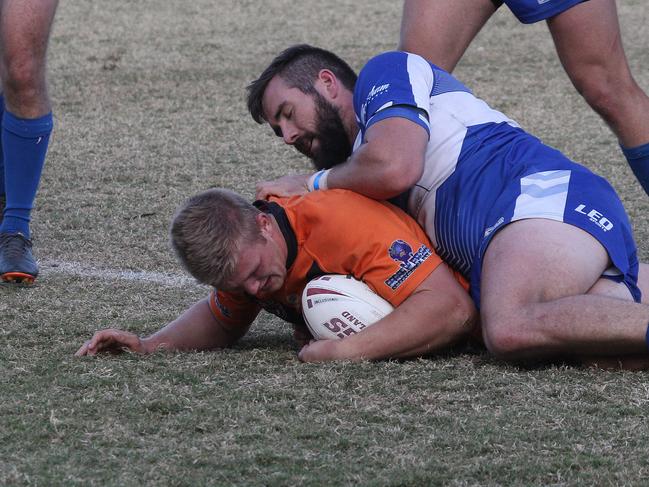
(504, 174)
(574, 195)
(530, 11)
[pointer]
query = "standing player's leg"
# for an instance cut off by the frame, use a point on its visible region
(26, 126)
(589, 44)
(535, 301)
(2, 166)
(442, 30)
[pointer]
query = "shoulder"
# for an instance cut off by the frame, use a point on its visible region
(390, 59)
(393, 78)
(336, 201)
(337, 206)
(325, 214)
(395, 63)
(343, 215)
(383, 59)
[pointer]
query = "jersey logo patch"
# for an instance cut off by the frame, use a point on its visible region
(374, 92)
(377, 90)
(408, 261)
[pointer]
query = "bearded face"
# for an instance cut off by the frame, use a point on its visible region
(332, 145)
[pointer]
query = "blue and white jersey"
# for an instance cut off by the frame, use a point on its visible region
(482, 171)
(406, 85)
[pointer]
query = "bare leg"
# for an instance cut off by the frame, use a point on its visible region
(441, 30)
(535, 302)
(24, 31)
(26, 127)
(589, 44)
(612, 289)
(643, 282)
(606, 287)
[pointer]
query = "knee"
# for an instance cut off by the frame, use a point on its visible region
(24, 76)
(607, 93)
(505, 336)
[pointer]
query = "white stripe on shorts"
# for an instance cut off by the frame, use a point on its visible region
(543, 195)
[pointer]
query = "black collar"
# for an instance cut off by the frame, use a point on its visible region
(278, 212)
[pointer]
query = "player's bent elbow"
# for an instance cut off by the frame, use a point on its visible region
(460, 317)
(393, 171)
(466, 317)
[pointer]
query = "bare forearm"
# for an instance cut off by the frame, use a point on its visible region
(365, 174)
(437, 315)
(389, 163)
(414, 329)
(195, 329)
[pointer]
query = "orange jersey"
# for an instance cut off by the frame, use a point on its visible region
(337, 232)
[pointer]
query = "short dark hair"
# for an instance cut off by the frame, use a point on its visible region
(299, 66)
(208, 230)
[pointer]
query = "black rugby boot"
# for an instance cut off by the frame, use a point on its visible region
(17, 264)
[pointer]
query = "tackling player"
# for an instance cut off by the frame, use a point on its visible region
(545, 243)
(262, 257)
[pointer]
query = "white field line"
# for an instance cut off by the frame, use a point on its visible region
(78, 269)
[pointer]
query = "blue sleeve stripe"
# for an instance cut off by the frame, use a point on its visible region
(408, 112)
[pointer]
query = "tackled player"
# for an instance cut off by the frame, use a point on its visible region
(262, 256)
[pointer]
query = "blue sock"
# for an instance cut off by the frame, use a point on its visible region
(638, 158)
(24, 145)
(2, 166)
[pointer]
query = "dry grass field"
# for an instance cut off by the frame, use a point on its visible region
(149, 107)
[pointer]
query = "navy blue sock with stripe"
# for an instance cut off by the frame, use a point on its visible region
(638, 158)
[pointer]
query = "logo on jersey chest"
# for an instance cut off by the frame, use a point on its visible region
(408, 261)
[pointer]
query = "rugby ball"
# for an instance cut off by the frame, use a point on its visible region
(336, 306)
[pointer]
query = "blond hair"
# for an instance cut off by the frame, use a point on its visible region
(208, 230)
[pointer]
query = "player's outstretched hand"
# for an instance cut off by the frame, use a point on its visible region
(111, 340)
(319, 351)
(296, 184)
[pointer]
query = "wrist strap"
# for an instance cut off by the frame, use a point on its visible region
(318, 180)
